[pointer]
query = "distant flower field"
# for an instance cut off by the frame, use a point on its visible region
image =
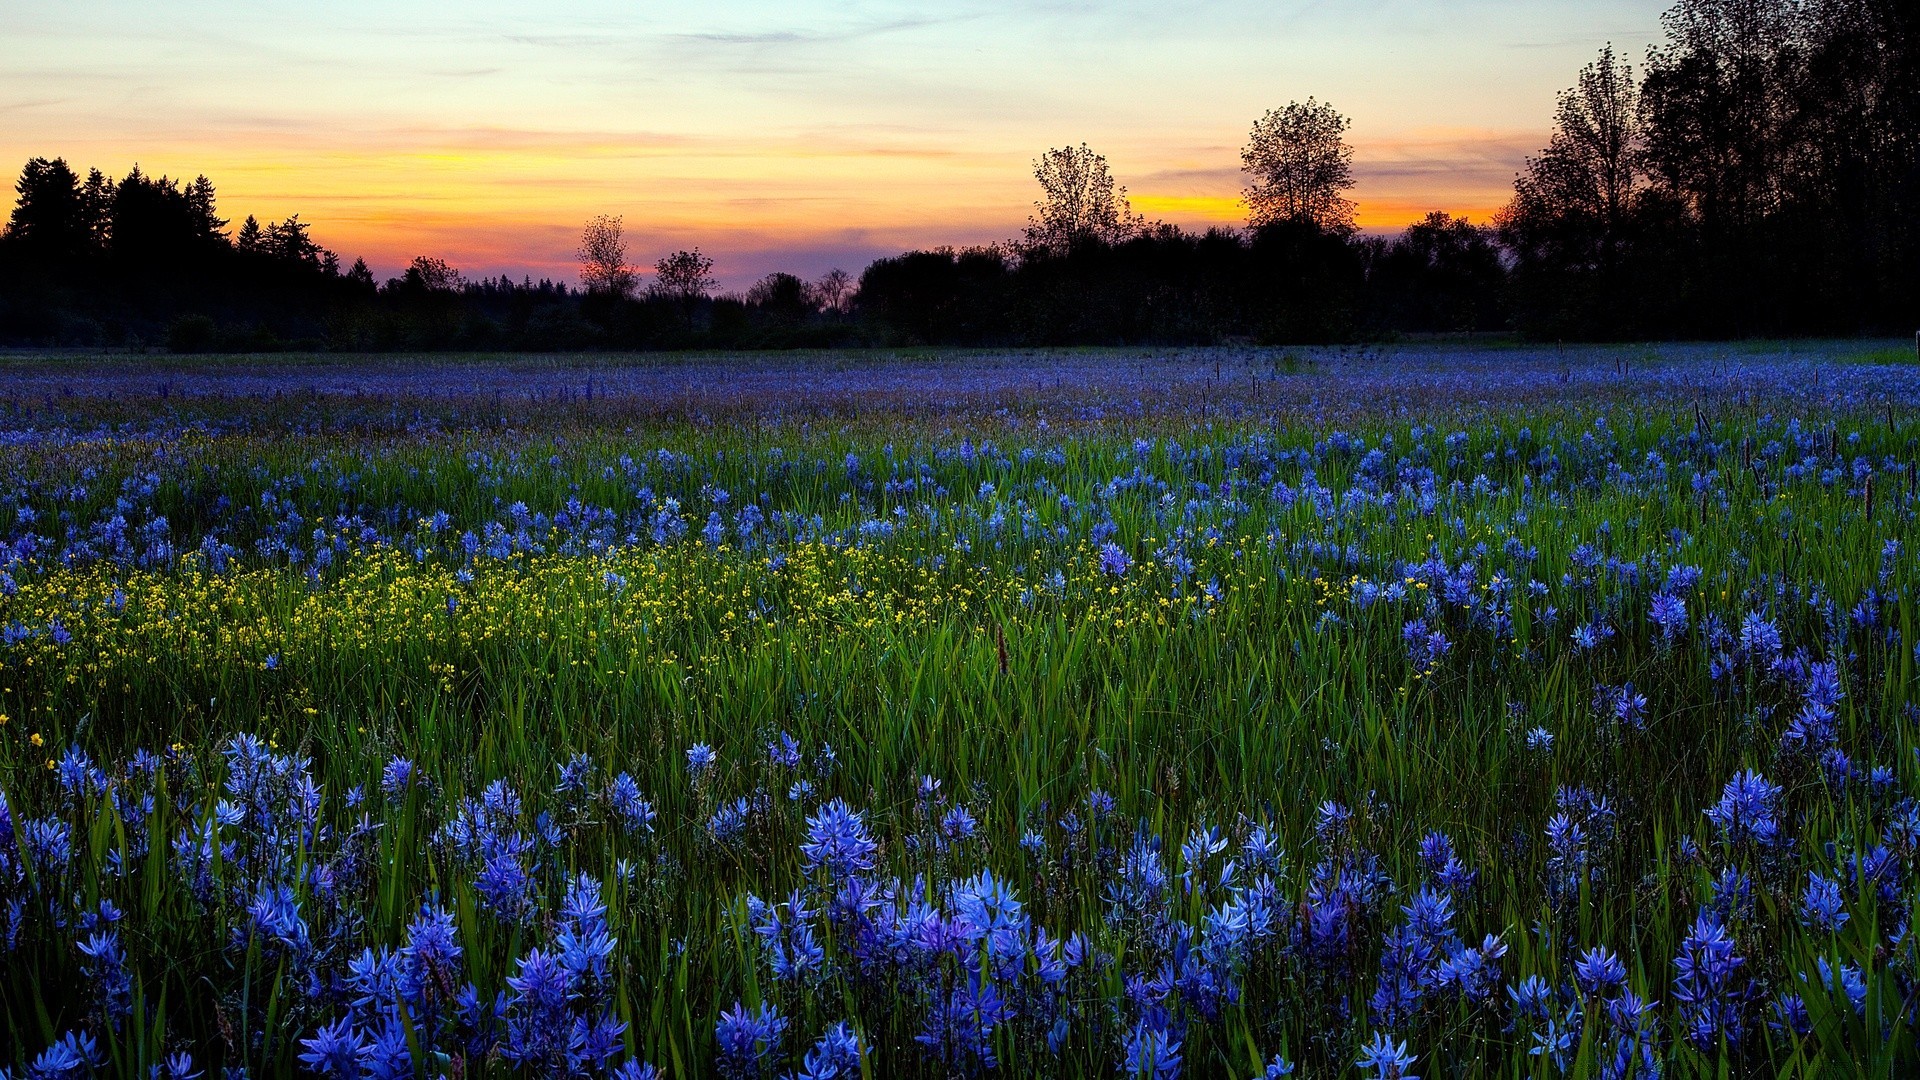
(1092, 714)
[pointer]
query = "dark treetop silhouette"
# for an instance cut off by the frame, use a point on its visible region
(1757, 174)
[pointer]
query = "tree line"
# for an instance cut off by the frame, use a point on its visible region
(1757, 174)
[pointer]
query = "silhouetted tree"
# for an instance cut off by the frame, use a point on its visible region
(208, 224)
(1714, 100)
(685, 276)
(1078, 202)
(834, 291)
(1572, 200)
(603, 257)
(428, 274)
(289, 242)
(781, 293)
(49, 220)
(96, 209)
(1300, 163)
(252, 239)
(1443, 274)
(154, 225)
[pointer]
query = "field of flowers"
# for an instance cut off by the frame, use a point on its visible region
(1225, 713)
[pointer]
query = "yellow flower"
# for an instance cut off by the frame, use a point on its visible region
(36, 740)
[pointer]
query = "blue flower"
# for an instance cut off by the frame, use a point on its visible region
(575, 775)
(333, 1051)
(1390, 1061)
(1748, 811)
(700, 758)
(75, 1054)
(837, 840)
(1759, 639)
(749, 1040)
(1669, 613)
(396, 777)
(1821, 906)
(539, 1025)
(1599, 972)
(1150, 1053)
(835, 1055)
(629, 805)
(1707, 985)
(1113, 561)
(106, 966)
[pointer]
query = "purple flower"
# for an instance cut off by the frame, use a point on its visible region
(835, 1055)
(1150, 1053)
(1669, 613)
(1708, 985)
(749, 1040)
(1599, 972)
(1821, 906)
(1748, 811)
(1389, 1060)
(333, 1051)
(837, 839)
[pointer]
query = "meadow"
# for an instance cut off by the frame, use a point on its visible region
(1390, 712)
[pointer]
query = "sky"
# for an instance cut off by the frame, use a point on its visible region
(797, 136)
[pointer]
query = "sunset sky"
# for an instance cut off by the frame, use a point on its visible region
(798, 135)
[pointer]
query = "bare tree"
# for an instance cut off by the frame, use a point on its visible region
(685, 276)
(834, 291)
(603, 257)
(1078, 201)
(1300, 163)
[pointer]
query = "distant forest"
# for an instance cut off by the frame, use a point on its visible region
(1758, 174)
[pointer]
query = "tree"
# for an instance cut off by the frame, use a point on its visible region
(49, 218)
(686, 276)
(1300, 163)
(603, 257)
(252, 238)
(780, 293)
(210, 226)
(431, 275)
(288, 241)
(96, 209)
(1444, 274)
(1714, 105)
(154, 228)
(834, 291)
(1570, 203)
(1078, 202)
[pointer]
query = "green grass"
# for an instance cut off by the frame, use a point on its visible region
(912, 658)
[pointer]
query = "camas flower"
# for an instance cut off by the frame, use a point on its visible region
(837, 840)
(749, 1040)
(1709, 985)
(1669, 613)
(1821, 906)
(1150, 1053)
(1388, 1060)
(1748, 811)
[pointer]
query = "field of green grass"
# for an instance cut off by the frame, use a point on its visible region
(1379, 712)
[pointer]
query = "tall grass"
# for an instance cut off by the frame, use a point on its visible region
(1235, 675)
